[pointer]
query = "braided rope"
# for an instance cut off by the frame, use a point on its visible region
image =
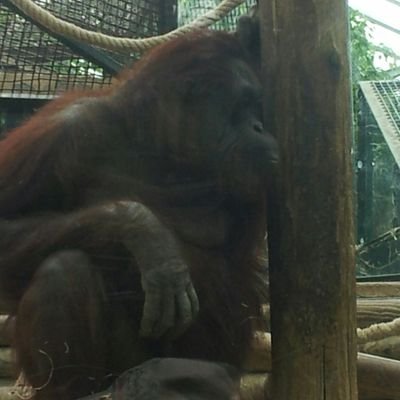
(378, 331)
(67, 29)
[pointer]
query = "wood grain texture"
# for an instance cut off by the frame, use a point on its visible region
(306, 78)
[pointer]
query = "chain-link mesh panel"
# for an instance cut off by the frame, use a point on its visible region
(188, 10)
(36, 63)
(113, 17)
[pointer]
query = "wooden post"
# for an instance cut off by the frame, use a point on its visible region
(306, 77)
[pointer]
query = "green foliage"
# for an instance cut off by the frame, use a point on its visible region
(364, 52)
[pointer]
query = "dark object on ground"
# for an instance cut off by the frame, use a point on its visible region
(174, 379)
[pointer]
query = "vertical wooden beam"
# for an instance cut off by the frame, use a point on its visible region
(306, 78)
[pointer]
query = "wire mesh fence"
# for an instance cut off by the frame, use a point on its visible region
(35, 63)
(188, 10)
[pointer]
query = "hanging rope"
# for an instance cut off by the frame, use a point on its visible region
(67, 29)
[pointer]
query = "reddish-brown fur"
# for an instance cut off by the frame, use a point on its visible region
(79, 183)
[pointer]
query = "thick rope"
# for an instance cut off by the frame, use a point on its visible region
(67, 29)
(378, 331)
